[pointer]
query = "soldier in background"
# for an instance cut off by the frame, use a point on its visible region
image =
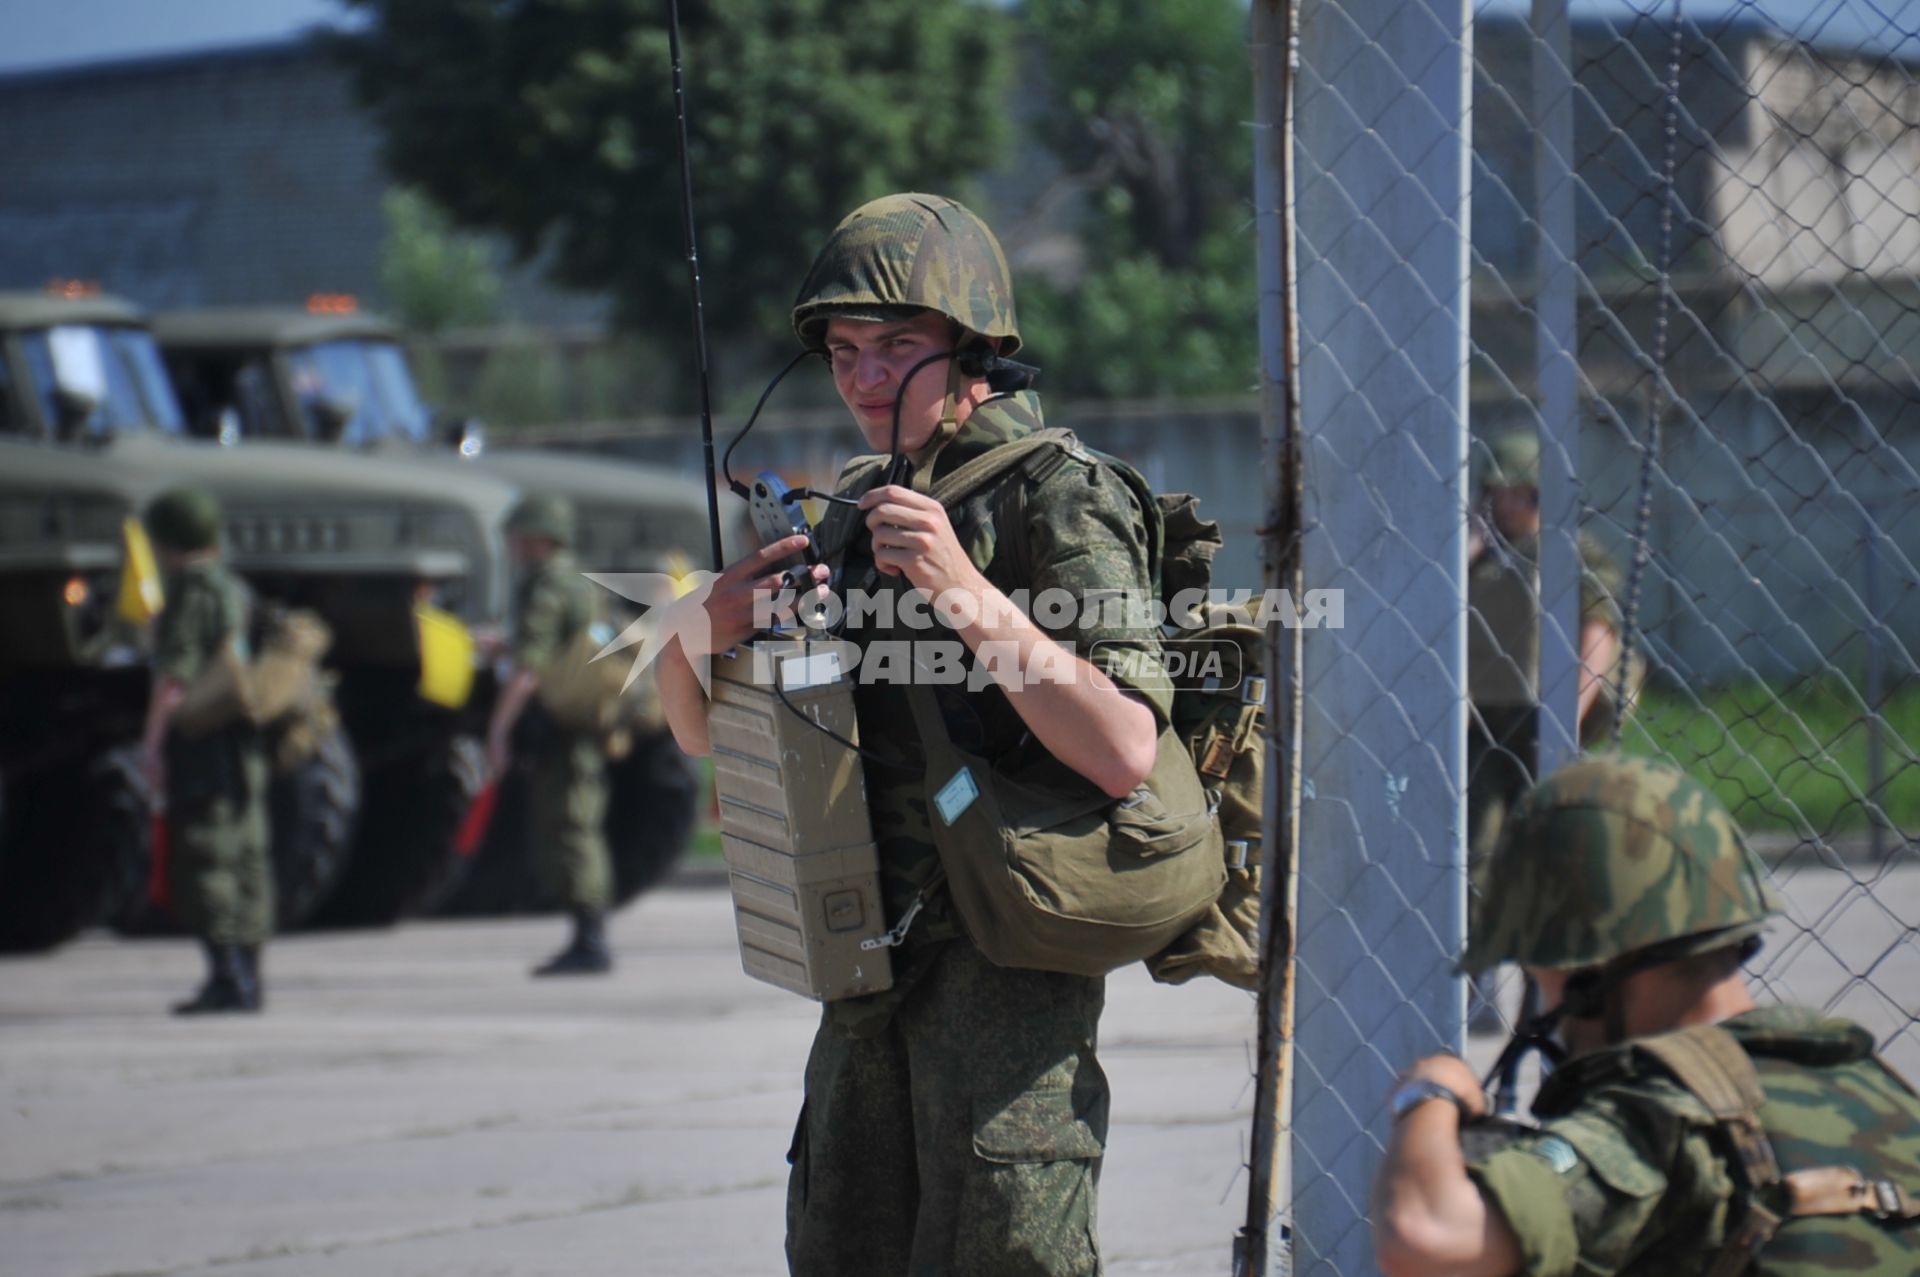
(219, 875)
(1503, 637)
(1689, 1130)
(567, 770)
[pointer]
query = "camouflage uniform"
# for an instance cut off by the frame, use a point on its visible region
(219, 875)
(1630, 1174)
(567, 784)
(1503, 672)
(1614, 865)
(955, 1123)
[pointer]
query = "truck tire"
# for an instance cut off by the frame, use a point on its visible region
(406, 853)
(654, 796)
(75, 843)
(313, 809)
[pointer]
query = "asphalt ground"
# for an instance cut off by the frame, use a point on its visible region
(413, 1104)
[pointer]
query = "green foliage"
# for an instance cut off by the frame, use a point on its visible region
(553, 121)
(435, 277)
(1148, 110)
(523, 383)
(1792, 757)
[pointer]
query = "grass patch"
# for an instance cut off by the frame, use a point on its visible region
(1790, 756)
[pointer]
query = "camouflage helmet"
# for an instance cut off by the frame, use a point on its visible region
(543, 516)
(902, 254)
(1513, 461)
(1610, 855)
(185, 519)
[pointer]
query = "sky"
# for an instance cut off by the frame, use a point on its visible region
(49, 33)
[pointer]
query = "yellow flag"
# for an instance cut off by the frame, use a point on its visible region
(141, 597)
(446, 657)
(680, 568)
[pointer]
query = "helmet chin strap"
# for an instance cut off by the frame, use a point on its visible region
(1590, 994)
(943, 433)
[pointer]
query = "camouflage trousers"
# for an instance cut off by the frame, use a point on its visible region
(963, 1138)
(567, 802)
(219, 872)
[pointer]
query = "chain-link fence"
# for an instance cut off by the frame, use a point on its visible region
(1678, 250)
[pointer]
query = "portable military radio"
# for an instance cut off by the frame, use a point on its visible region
(794, 823)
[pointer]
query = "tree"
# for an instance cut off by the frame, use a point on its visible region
(1148, 109)
(552, 121)
(435, 278)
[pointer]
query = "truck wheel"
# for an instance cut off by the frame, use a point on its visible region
(407, 853)
(654, 797)
(75, 844)
(313, 808)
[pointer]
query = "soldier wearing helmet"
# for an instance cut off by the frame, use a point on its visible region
(954, 1124)
(1503, 645)
(210, 768)
(566, 770)
(1687, 1130)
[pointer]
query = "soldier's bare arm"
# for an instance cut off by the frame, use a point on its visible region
(729, 603)
(1599, 649)
(1082, 717)
(1429, 1218)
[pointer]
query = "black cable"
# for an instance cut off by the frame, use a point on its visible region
(836, 737)
(740, 489)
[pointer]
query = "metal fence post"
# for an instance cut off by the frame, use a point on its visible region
(1381, 147)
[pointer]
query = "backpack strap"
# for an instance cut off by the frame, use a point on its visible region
(984, 469)
(1713, 1066)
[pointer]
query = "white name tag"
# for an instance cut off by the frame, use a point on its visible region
(956, 796)
(797, 673)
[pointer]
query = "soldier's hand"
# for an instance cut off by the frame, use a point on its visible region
(730, 599)
(153, 766)
(1451, 1071)
(499, 757)
(913, 536)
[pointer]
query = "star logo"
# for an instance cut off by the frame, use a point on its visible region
(676, 608)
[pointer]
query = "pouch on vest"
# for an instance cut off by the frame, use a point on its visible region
(586, 696)
(1218, 714)
(1050, 873)
(284, 680)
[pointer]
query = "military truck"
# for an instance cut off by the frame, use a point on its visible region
(330, 374)
(89, 432)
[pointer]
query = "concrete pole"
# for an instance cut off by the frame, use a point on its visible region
(1381, 148)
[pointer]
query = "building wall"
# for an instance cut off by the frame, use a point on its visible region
(244, 176)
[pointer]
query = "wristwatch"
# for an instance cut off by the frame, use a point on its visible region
(1415, 1091)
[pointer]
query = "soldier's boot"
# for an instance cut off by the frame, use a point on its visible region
(253, 982)
(588, 954)
(227, 988)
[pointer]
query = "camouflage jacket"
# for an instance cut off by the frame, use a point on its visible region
(1503, 620)
(1084, 533)
(207, 607)
(1630, 1174)
(555, 604)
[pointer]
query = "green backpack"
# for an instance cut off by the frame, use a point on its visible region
(1218, 717)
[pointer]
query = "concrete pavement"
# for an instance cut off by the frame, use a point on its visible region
(413, 1104)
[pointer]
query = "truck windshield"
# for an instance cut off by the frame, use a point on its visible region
(98, 380)
(370, 379)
